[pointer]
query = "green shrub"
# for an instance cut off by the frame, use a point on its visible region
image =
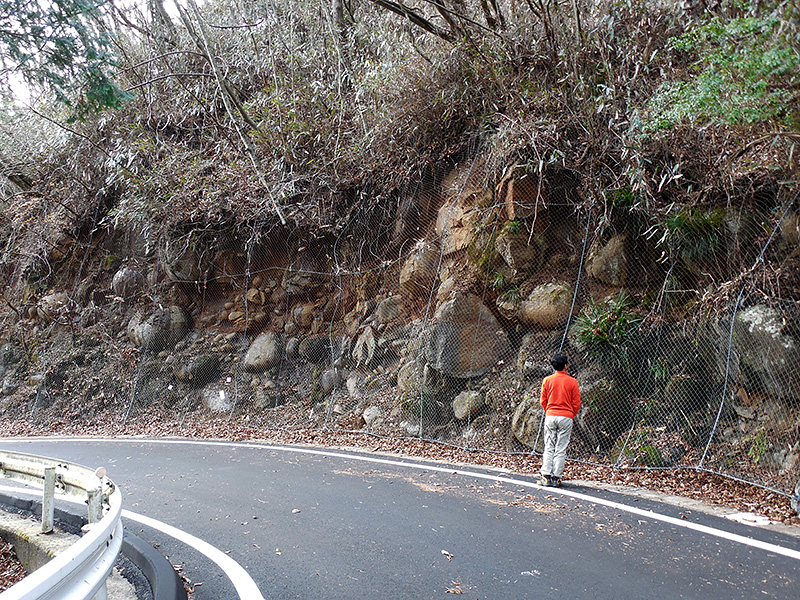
(609, 333)
(744, 71)
(695, 236)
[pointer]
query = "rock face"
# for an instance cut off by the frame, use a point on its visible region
(328, 380)
(452, 226)
(409, 378)
(161, 330)
(264, 353)
(216, 401)
(468, 404)
(127, 282)
(364, 349)
(303, 277)
(518, 253)
(609, 263)
(373, 416)
(183, 266)
(200, 371)
(419, 270)
(605, 412)
(389, 309)
(768, 356)
(461, 192)
(547, 305)
(50, 306)
(315, 348)
(466, 340)
(790, 229)
(526, 423)
(535, 350)
(521, 193)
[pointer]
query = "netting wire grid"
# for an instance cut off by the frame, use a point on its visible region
(433, 316)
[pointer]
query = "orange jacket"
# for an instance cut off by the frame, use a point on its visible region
(560, 395)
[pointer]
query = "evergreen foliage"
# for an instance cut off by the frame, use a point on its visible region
(64, 46)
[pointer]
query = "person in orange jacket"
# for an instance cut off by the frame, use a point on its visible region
(561, 400)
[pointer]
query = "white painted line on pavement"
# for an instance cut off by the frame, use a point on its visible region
(649, 514)
(242, 582)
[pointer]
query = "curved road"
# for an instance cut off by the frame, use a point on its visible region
(246, 520)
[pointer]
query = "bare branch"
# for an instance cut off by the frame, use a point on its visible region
(168, 76)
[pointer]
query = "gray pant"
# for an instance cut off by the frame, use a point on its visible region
(556, 438)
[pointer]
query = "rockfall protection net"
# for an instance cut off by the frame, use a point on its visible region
(433, 315)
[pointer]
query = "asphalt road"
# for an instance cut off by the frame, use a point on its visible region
(315, 525)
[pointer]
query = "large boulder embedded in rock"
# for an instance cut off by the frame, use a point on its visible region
(328, 380)
(409, 377)
(466, 339)
(389, 309)
(183, 266)
(453, 228)
(315, 348)
(161, 330)
(373, 416)
(304, 276)
(364, 348)
(355, 384)
(50, 306)
(468, 404)
(606, 412)
(264, 353)
(217, 401)
(608, 263)
(418, 272)
(292, 348)
(790, 230)
(535, 351)
(303, 315)
(524, 254)
(462, 193)
(769, 355)
(200, 371)
(526, 423)
(547, 306)
(127, 282)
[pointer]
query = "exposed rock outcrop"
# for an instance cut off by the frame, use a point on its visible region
(162, 329)
(264, 353)
(466, 339)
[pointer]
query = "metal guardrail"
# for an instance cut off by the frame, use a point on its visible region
(80, 572)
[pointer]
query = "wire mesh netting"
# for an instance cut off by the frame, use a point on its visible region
(434, 314)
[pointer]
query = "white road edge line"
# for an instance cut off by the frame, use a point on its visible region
(241, 580)
(648, 514)
(244, 584)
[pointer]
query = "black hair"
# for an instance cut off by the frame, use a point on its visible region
(559, 362)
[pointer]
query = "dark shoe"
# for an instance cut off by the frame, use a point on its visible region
(544, 480)
(557, 481)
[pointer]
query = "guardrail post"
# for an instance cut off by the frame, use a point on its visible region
(82, 569)
(48, 499)
(94, 500)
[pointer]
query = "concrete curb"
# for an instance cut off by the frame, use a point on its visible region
(164, 581)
